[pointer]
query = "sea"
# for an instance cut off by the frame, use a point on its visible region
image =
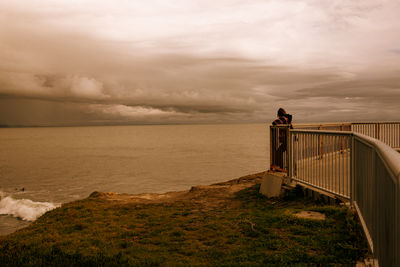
(43, 167)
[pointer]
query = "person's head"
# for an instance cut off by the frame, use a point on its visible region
(281, 112)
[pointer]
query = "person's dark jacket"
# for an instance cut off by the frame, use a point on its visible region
(281, 120)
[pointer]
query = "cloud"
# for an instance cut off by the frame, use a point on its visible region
(395, 50)
(83, 87)
(198, 61)
(131, 112)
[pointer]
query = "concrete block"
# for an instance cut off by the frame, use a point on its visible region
(271, 185)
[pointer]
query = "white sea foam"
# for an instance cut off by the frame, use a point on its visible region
(25, 209)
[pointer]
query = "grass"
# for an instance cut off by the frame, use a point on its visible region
(246, 230)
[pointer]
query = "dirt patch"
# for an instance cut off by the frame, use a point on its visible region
(313, 215)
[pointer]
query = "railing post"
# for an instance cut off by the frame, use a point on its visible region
(352, 169)
(341, 138)
(377, 129)
(320, 144)
(271, 147)
(289, 152)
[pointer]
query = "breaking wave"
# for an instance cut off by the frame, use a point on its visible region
(25, 209)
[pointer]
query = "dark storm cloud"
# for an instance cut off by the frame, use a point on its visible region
(366, 96)
(34, 112)
(179, 83)
(395, 51)
(366, 87)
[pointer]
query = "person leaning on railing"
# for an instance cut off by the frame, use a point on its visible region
(283, 119)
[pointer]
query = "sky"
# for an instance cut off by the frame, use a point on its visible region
(86, 62)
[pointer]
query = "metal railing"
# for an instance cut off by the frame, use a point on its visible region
(387, 132)
(376, 196)
(321, 159)
(353, 166)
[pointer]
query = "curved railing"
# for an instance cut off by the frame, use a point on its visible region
(354, 161)
(376, 196)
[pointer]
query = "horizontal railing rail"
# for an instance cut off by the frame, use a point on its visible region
(325, 126)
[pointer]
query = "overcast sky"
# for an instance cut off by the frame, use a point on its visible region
(66, 62)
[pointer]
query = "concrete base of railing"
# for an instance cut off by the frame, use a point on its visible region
(271, 184)
(277, 184)
(321, 195)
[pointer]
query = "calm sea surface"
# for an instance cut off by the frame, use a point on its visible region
(40, 168)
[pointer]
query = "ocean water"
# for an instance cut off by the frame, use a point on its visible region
(41, 168)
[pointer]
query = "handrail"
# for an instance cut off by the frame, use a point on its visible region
(343, 123)
(321, 124)
(376, 122)
(322, 132)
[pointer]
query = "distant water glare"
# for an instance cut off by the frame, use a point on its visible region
(40, 167)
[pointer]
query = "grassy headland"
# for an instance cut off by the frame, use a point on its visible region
(223, 224)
